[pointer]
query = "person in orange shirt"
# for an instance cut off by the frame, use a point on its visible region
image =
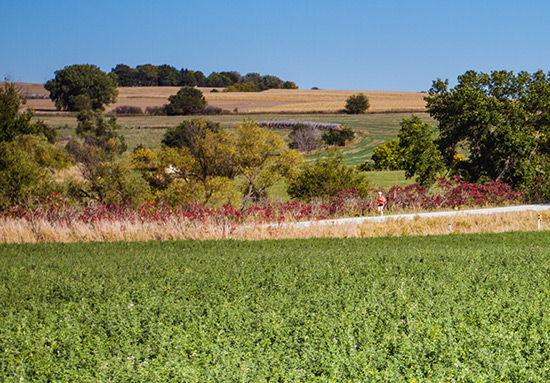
(381, 203)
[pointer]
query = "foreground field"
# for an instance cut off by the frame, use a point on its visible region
(465, 308)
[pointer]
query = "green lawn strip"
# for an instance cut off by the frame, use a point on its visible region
(387, 178)
(424, 309)
(379, 126)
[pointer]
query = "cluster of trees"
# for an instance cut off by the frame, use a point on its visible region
(491, 126)
(199, 162)
(86, 87)
(205, 163)
(166, 75)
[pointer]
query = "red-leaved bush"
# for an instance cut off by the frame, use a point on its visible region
(445, 194)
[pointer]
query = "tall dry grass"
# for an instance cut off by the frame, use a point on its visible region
(34, 231)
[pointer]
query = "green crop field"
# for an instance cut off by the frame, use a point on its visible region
(454, 308)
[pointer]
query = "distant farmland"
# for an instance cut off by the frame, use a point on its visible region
(270, 101)
(321, 106)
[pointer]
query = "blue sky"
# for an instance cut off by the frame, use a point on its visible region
(351, 45)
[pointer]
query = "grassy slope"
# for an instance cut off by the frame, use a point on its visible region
(424, 309)
(373, 129)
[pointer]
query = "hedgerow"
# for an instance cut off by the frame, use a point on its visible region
(348, 203)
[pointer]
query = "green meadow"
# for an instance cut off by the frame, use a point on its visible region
(373, 128)
(454, 308)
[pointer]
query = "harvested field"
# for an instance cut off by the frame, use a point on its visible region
(270, 101)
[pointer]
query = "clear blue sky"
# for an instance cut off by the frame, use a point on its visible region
(347, 44)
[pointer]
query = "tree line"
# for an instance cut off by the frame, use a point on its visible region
(86, 87)
(491, 126)
(166, 75)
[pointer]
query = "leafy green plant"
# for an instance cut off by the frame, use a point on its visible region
(188, 100)
(356, 104)
(325, 178)
(338, 136)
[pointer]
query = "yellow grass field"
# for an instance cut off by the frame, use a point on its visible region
(40, 230)
(270, 101)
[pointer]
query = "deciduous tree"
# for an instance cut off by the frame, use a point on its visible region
(169, 76)
(419, 153)
(500, 120)
(305, 138)
(98, 131)
(125, 75)
(13, 122)
(77, 86)
(262, 158)
(187, 101)
(212, 150)
(357, 103)
(27, 153)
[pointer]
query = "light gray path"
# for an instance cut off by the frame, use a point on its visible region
(358, 220)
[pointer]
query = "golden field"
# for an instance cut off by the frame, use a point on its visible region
(270, 101)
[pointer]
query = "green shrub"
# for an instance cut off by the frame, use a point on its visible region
(356, 104)
(21, 178)
(187, 101)
(338, 136)
(325, 178)
(388, 156)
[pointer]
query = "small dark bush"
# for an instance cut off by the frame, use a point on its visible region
(211, 110)
(156, 110)
(127, 109)
(338, 136)
(356, 104)
(366, 167)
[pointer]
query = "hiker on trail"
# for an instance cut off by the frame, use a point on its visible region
(381, 203)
